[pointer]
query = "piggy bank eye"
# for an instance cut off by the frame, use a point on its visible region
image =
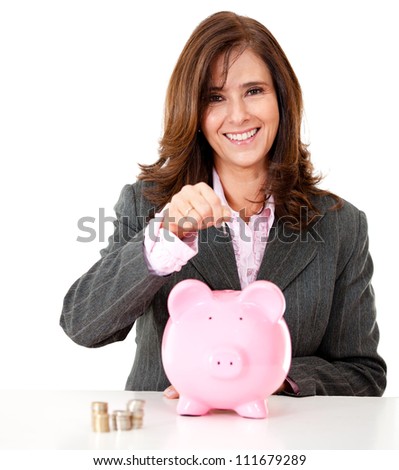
(240, 318)
(210, 318)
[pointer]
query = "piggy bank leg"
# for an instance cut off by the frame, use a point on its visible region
(190, 407)
(253, 409)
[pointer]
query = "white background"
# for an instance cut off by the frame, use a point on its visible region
(82, 85)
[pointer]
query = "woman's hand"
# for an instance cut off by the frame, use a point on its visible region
(171, 392)
(193, 208)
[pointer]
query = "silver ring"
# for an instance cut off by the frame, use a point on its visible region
(188, 211)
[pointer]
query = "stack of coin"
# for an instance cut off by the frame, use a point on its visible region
(99, 416)
(136, 408)
(121, 420)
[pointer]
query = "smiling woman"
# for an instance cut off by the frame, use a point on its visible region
(231, 154)
(223, 52)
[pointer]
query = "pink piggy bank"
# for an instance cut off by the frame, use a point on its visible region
(226, 349)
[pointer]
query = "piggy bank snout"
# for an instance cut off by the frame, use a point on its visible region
(225, 363)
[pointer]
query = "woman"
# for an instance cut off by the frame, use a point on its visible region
(232, 199)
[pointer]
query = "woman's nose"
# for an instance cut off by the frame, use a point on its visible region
(237, 111)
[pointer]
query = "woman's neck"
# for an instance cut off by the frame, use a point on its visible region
(243, 191)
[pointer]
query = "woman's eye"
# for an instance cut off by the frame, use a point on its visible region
(215, 98)
(255, 91)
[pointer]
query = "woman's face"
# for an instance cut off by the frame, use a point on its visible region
(241, 118)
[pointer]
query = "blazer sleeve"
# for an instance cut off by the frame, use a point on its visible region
(103, 304)
(347, 362)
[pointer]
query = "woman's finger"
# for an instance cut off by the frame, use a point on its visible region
(171, 392)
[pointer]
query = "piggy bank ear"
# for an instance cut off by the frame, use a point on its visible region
(267, 296)
(185, 294)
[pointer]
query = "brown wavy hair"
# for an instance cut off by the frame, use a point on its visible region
(185, 157)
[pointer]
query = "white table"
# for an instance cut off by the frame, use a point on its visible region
(62, 420)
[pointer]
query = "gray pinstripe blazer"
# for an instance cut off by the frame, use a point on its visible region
(324, 272)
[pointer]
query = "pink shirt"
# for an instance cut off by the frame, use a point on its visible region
(165, 253)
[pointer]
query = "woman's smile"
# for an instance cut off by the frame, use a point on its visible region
(239, 138)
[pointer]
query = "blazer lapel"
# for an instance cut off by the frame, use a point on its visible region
(287, 254)
(216, 260)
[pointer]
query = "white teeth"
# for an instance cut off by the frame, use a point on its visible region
(243, 136)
